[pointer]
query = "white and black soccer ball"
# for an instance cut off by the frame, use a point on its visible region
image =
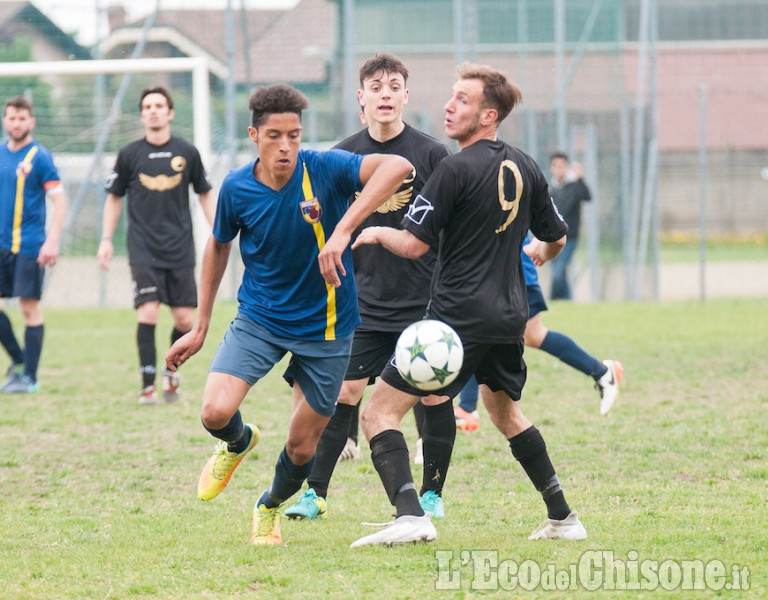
(429, 354)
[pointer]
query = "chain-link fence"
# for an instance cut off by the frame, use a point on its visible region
(662, 102)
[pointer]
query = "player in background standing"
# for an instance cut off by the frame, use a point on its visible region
(291, 210)
(479, 203)
(156, 172)
(607, 374)
(568, 191)
(27, 177)
(392, 291)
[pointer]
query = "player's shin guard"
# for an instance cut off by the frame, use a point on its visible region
(288, 480)
(389, 453)
(438, 437)
(530, 450)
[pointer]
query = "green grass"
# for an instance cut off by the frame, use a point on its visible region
(99, 493)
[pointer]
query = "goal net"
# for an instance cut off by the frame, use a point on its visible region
(85, 112)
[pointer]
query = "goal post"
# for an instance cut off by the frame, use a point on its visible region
(198, 66)
(85, 111)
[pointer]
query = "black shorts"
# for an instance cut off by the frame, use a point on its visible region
(536, 302)
(174, 287)
(499, 366)
(371, 351)
(20, 276)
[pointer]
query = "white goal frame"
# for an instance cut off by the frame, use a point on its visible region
(113, 289)
(197, 65)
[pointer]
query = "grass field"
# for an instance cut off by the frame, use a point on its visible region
(99, 494)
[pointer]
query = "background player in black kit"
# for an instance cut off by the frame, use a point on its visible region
(392, 291)
(156, 172)
(480, 203)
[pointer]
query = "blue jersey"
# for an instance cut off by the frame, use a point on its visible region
(25, 177)
(281, 234)
(529, 268)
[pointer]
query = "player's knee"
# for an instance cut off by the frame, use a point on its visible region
(214, 415)
(299, 452)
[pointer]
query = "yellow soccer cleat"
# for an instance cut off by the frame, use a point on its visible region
(218, 470)
(266, 525)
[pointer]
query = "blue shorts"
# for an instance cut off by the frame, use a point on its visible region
(536, 302)
(20, 276)
(248, 351)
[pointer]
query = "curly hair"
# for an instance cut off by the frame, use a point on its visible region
(274, 99)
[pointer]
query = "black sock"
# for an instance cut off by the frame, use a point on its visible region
(33, 347)
(9, 341)
(176, 334)
(389, 453)
(145, 339)
(235, 433)
(329, 448)
(438, 436)
(418, 415)
(288, 480)
(530, 450)
(354, 423)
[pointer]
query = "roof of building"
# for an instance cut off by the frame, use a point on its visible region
(291, 45)
(14, 15)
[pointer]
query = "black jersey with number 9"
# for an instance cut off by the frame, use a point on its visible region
(483, 201)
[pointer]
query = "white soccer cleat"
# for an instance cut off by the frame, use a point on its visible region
(351, 451)
(608, 385)
(569, 528)
(405, 530)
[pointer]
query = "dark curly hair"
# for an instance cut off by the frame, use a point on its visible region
(275, 99)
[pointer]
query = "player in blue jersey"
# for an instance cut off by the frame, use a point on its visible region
(290, 209)
(27, 177)
(393, 291)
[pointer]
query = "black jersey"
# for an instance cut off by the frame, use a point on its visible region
(392, 291)
(480, 203)
(157, 180)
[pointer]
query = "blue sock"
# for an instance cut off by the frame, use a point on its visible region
(233, 433)
(9, 341)
(562, 347)
(33, 346)
(468, 396)
(288, 480)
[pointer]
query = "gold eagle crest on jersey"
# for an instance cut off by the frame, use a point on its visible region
(160, 183)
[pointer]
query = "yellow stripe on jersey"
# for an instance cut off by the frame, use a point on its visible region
(18, 209)
(330, 311)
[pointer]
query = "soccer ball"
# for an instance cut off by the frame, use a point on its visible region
(429, 354)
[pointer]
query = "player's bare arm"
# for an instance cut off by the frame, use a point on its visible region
(214, 263)
(398, 241)
(208, 204)
(541, 252)
(112, 208)
(382, 175)
(49, 251)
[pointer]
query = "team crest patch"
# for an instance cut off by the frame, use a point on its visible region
(23, 169)
(311, 210)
